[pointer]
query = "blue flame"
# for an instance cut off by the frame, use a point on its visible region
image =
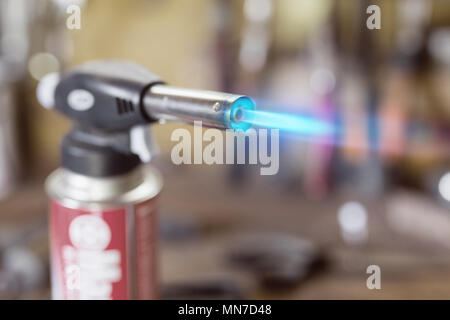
(291, 123)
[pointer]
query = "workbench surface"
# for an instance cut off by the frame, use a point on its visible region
(411, 268)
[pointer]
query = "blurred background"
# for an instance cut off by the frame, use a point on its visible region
(379, 194)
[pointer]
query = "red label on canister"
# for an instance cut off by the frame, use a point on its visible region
(105, 253)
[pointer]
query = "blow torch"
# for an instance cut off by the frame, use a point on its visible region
(103, 226)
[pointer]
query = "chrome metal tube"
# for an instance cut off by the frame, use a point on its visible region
(214, 109)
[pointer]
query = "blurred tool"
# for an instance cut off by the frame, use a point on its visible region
(221, 20)
(202, 290)
(253, 53)
(322, 54)
(418, 216)
(437, 183)
(352, 218)
(13, 53)
(278, 261)
(173, 230)
(9, 157)
(444, 186)
(23, 260)
(256, 38)
(413, 17)
(21, 272)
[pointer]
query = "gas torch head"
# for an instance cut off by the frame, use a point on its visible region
(111, 102)
(114, 96)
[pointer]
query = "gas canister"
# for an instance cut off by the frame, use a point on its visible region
(103, 235)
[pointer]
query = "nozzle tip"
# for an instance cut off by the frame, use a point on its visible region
(239, 113)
